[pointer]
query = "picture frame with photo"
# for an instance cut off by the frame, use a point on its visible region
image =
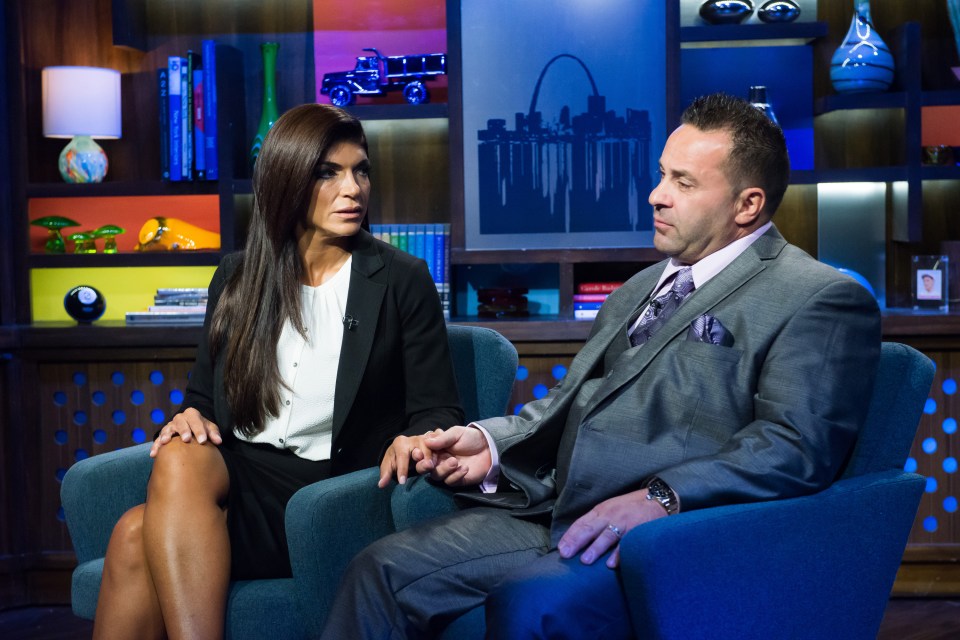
(929, 280)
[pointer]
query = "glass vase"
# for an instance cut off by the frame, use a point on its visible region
(268, 112)
(863, 62)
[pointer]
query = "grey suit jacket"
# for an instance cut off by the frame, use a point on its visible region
(772, 416)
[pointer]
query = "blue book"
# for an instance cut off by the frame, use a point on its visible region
(199, 158)
(419, 245)
(163, 111)
(439, 246)
(585, 306)
(208, 52)
(430, 249)
(175, 66)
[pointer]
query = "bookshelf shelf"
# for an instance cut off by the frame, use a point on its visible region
(120, 188)
(152, 259)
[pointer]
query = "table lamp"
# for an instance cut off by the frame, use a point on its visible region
(81, 103)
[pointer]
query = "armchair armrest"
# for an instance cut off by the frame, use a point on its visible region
(733, 571)
(329, 522)
(97, 491)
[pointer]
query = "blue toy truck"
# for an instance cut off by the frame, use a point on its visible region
(377, 74)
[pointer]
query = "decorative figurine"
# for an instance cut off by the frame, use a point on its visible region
(779, 11)
(375, 75)
(725, 11)
(84, 304)
(53, 225)
(84, 242)
(109, 233)
(173, 234)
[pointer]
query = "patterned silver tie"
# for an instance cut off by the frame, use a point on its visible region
(662, 307)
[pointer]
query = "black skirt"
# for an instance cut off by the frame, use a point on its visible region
(262, 481)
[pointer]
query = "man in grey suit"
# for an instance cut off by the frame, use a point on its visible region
(744, 377)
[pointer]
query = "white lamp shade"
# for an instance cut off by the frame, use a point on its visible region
(81, 101)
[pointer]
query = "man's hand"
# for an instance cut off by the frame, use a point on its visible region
(188, 425)
(458, 456)
(594, 531)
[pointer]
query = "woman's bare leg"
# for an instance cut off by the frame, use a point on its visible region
(128, 606)
(167, 567)
(185, 538)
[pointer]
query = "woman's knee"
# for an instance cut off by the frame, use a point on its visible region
(126, 542)
(187, 466)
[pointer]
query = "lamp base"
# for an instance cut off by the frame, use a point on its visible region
(82, 161)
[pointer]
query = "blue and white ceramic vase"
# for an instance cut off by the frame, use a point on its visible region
(863, 62)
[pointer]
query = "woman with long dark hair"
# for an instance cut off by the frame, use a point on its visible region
(322, 346)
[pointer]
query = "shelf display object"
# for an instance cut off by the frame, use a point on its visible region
(776, 11)
(726, 11)
(269, 112)
(863, 61)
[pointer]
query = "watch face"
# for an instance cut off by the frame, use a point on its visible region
(84, 303)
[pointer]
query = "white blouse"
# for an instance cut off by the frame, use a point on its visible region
(308, 368)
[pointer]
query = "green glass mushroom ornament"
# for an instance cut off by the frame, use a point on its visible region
(109, 233)
(84, 242)
(54, 225)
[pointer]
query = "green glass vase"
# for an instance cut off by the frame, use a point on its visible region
(268, 113)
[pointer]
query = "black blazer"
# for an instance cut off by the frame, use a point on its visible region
(395, 374)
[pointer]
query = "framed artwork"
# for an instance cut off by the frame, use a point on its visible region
(345, 32)
(559, 112)
(930, 282)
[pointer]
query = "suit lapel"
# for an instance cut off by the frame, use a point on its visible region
(616, 312)
(702, 300)
(364, 300)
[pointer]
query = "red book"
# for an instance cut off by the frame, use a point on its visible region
(597, 287)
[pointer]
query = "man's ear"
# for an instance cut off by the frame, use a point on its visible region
(750, 203)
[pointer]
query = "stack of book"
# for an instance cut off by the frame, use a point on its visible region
(429, 242)
(173, 306)
(589, 297)
(188, 115)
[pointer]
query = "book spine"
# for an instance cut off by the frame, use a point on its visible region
(403, 237)
(176, 129)
(163, 90)
(584, 306)
(199, 158)
(585, 314)
(590, 297)
(443, 239)
(420, 240)
(430, 249)
(187, 103)
(208, 51)
(597, 287)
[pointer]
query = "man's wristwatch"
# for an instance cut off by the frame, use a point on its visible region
(660, 491)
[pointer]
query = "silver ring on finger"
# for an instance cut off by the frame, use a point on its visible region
(616, 530)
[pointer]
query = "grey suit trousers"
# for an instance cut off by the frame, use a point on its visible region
(412, 584)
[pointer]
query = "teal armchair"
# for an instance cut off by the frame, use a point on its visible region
(97, 491)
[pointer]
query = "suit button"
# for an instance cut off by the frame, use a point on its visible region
(339, 450)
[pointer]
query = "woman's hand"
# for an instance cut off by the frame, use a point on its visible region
(458, 456)
(189, 425)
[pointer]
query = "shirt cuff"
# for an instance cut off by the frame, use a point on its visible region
(489, 483)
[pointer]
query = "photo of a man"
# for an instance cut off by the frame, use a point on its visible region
(928, 284)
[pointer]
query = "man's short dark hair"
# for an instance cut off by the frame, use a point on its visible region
(759, 154)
